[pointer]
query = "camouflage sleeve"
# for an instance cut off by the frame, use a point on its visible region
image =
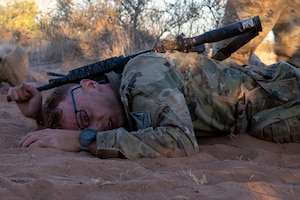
(152, 98)
(165, 141)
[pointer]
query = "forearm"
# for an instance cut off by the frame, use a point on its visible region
(146, 143)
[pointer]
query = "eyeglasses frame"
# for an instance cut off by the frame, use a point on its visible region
(81, 111)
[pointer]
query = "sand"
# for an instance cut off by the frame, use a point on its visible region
(238, 168)
(226, 168)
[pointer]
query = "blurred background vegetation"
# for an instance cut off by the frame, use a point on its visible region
(67, 30)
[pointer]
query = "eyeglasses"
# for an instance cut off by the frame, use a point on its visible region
(81, 116)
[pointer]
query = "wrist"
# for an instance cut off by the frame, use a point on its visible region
(86, 138)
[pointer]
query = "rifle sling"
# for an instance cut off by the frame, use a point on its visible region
(234, 45)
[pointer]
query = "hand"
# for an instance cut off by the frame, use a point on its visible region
(28, 99)
(65, 140)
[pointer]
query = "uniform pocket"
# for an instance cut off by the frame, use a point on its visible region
(279, 124)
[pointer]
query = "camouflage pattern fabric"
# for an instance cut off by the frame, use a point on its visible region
(278, 124)
(171, 98)
(281, 16)
(14, 66)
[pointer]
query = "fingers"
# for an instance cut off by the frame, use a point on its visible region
(35, 139)
(65, 140)
(19, 94)
(23, 92)
(30, 139)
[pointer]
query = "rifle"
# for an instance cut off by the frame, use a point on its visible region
(245, 30)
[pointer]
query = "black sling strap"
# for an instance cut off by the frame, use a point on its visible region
(234, 45)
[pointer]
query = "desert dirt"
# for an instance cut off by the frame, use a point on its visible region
(240, 167)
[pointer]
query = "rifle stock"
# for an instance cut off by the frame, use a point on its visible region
(97, 70)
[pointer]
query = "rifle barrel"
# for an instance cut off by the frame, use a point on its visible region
(225, 32)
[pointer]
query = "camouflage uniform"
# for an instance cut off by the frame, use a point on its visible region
(171, 98)
(14, 66)
(281, 16)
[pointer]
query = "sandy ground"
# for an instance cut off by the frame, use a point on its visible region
(239, 168)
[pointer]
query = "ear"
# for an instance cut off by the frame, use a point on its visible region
(87, 83)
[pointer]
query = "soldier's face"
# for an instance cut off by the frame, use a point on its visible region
(103, 110)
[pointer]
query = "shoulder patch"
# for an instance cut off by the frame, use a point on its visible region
(142, 119)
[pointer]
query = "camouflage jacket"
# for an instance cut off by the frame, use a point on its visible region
(171, 98)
